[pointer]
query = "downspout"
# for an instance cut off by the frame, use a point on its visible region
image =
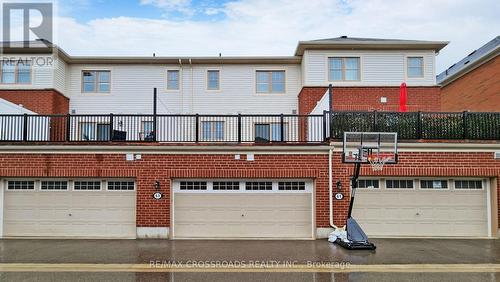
(180, 86)
(330, 185)
(192, 86)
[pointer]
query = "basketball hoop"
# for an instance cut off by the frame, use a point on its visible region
(377, 162)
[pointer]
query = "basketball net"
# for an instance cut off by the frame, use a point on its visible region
(377, 162)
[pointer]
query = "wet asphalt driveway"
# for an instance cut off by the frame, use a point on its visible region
(389, 251)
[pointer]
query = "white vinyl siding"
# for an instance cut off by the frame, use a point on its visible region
(132, 91)
(377, 68)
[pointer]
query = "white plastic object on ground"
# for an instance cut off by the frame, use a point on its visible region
(340, 233)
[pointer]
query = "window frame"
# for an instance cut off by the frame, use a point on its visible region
(213, 130)
(35, 185)
(343, 68)
(68, 185)
(106, 184)
(73, 182)
(218, 89)
(16, 74)
(483, 186)
(399, 188)
(179, 80)
(270, 82)
(271, 131)
(432, 188)
(370, 187)
(422, 72)
(96, 82)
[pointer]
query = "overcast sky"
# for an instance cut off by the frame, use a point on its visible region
(267, 27)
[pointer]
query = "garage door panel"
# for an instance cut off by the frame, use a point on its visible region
(384, 212)
(242, 215)
(70, 213)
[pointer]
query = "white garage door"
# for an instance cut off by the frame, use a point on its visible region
(63, 208)
(243, 209)
(424, 207)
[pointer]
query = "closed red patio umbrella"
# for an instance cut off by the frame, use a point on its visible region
(403, 96)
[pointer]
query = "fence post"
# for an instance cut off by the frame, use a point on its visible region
(197, 128)
(465, 124)
(25, 127)
(324, 126)
(374, 121)
(239, 128)
(111, 127)
(282, 128)
(68, 127)
(419, 125)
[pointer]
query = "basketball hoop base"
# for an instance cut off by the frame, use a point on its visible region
(351, 245)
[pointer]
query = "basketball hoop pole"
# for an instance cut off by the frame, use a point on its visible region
(354, 183)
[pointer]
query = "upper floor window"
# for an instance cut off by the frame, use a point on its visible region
(270, 81)
(96, 81)
(173, 78)
(15, 72)
(415, 67)
(213, 79)
(343, 69)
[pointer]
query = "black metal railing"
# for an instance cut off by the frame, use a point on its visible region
(170, 128)
(420, 125)
(246, 128)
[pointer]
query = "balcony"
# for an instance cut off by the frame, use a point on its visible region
(249, 129)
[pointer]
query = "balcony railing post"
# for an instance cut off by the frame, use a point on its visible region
(419, 125)
(374, 126)
(68, 127)
(324, 125)
(111, 127)
(465, 124)
(282, 128)
(197, 128)
(25, 127)
(239, 128)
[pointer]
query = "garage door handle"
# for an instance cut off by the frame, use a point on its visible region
(242, 215)
(69, 214)
(417, 213)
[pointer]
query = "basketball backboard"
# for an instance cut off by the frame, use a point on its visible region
(365, 147)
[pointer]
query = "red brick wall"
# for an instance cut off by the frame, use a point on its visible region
(368, 98)
(44, 102)
(166, 167)
(478, 90)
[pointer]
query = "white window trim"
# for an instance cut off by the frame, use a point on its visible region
(35, 186)
(399, 189)
(242, 190)
(86, 179)
(120, 179)
(419, 183)
(68, 187)
(220, 80)
(483, 184)
(256, 93)
(180, 80)
(407, 56)
(371, 188)
(96, 92)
